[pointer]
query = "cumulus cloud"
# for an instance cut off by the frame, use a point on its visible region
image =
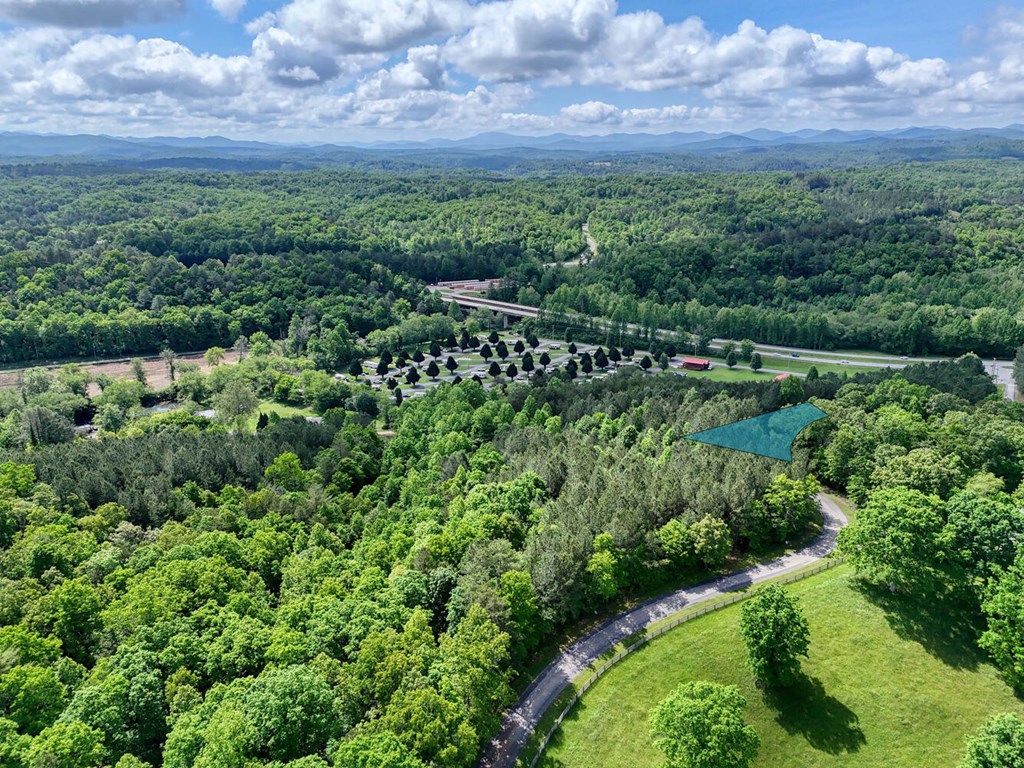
(599, 113)
(89, 13)
(229, 9)
(520, 40)
(313, 41)
(319, 66)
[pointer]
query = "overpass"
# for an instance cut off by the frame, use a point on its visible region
(1001, 370)
(468, 301)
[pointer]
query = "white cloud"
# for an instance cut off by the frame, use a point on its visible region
(89, 13)
(518, 40)
(229, 9)
(334, 38)
(591, 112)
(454, 66)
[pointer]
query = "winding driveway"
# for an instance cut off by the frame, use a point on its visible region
(523, 717)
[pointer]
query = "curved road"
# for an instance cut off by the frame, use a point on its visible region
(523, 717)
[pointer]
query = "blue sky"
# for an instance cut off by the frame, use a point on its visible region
(340, 70)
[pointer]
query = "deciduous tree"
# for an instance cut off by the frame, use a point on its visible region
(700, 725)
(776, 634)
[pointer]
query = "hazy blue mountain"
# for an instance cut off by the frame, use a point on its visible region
(505, 152)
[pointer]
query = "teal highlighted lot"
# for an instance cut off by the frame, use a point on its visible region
(771, 434)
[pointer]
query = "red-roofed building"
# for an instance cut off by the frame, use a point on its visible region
(696, 364)
(781, 376)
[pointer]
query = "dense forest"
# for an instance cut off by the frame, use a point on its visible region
(182, 592)
(908, 259)
(366, 579)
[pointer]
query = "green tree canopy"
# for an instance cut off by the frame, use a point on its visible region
(700, 725)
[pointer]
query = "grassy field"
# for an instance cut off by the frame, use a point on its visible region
(284, 411)
(889, 682)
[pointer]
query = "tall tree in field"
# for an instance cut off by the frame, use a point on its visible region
(755, 362)
(502, 349)
(730, 358)
(433, 370)
(519, 347)
(214, 356)
(746, 349)
(645, 363)
(417, 357)
(528, 365)
(356, 369)
(170, 360)
(412, 377)
(545, 359)
(493, 337)
(139, 370)
(451, 364)
(494, 370)
(511, 371)
(435, 349)
(382, 367)
(236, 403)
(615, 356)
(700, 725)
(999, 743)
(775, 632)
(241, 348)
(486, 353)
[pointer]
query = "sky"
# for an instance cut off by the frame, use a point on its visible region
(365, 70)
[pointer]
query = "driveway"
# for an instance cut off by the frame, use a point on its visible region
(523, 717)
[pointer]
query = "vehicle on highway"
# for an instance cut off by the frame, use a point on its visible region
(794, 354)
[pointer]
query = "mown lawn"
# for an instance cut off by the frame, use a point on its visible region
(889, 682)
(284, 411)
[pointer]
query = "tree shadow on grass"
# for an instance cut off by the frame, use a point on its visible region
(805, 708)
(945, 624)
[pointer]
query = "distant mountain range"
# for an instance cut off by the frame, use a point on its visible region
(502, 151)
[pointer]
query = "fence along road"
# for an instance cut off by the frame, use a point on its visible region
(522, 719)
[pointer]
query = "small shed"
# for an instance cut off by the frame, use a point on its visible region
(696, 364)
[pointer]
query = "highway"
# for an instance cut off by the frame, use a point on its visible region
(1001, 370)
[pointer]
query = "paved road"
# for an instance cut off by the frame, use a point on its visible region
(523, 717)
(1001, 370)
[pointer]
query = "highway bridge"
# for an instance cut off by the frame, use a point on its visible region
(1001, 370)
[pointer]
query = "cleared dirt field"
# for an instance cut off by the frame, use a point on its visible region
(157, 376)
